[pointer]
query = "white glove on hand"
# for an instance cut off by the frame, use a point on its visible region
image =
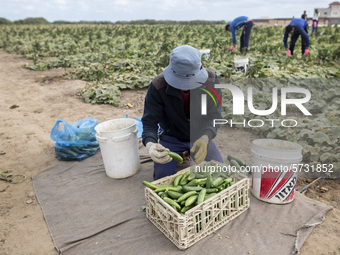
(200, 148)
(158, 153)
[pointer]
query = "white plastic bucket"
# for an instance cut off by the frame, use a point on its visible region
(274, 170)
(119, 148)
(241, 64)
(115, 127)
(205, 53)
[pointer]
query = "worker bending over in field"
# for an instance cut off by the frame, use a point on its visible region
(236, 24)
(173, 102)
(296, 28)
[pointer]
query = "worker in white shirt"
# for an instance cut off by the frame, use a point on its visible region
(315, 21)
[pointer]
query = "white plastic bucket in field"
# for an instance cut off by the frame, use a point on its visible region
(115, 127)
(119, 147)
(205, 53)
(274, 170)
(241, 64)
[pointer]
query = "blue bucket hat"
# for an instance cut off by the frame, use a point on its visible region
(185, 70)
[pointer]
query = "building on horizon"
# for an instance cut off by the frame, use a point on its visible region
(332, 13)
(327, 16)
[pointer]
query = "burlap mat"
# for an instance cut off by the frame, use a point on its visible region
(89, 213)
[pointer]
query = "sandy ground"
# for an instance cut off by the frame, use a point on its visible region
(30, 104)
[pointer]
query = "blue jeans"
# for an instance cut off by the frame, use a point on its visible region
(178, 146)
(245, 36)
(293, 40)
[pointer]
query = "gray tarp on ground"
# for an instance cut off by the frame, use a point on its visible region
(89, 213)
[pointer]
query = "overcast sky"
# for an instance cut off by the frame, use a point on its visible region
(125, 10)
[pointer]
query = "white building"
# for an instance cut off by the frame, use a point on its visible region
(327, 16)
(333, 11)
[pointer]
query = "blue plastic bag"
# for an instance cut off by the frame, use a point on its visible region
(76, 141)
(139, 125)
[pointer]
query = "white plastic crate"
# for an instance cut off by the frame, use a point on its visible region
(203, 219)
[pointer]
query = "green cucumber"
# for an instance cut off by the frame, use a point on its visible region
(186, 195)
(196, 182)
(202, 182)
(224, 175)
(217, 182)
(164, 194)
(186, 208)
(222, 187)
(186, 188)
(200, 176)
(68, 151)
(168, 187)
(209, 196)
(201, 195)
(162, 188)
(150, 185)
(174, 194)
(177, 188)
(209, 181)
(239, 161)
(198, 146)
(177, 179)
(172, 203)
(175, 208)
(212, 190)
(187, 174)
(235, 164)
(228, 180)
(192, 183)
(191, 200)
(176, 156)
(191, 176)
(183, 181)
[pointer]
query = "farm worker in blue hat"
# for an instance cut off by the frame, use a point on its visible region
(296, 28)
(173, 103)
(247, 24)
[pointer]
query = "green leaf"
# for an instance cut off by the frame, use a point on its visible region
(305, 133)
(335, 133)
(314, 150)
(337, 157)
(320, 137)
(326, 157)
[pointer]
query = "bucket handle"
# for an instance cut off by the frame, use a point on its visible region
(119, 138)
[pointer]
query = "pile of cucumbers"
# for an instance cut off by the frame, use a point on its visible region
(191, 188)
(76, 146)
(76, 151)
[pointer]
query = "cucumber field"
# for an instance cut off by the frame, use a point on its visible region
(113, 58)
(70, 72)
